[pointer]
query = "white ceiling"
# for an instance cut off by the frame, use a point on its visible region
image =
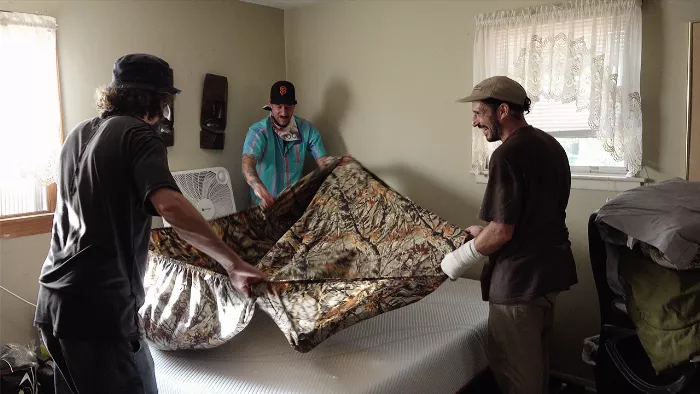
(284, 4)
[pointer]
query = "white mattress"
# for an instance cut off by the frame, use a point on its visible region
(436, 345)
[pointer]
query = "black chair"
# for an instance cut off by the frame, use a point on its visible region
(622, 365)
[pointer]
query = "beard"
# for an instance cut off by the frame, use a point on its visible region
(493, 132)
(281, 122)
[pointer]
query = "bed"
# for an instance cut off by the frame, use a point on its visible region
(436, 345)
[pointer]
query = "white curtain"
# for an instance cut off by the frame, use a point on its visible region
(586, 52)
(30, 119)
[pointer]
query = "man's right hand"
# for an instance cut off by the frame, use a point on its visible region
(192, 227)
(264, 195)
(244, 275)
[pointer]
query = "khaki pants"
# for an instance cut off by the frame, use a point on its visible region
(518, 345)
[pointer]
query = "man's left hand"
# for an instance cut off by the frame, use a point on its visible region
(328, 160)
(474, 231)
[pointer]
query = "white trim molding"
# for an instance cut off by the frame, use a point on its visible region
(605, 182)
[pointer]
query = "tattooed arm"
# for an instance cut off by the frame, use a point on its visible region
(252, 178)
(248, 166)
(325, 160)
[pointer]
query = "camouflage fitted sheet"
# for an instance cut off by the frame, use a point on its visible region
(338, 247)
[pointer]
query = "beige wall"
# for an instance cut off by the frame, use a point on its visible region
(380, 79)
(241, 41)
(20, 263)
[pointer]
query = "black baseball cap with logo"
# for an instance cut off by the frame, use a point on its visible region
(282, 92)
(143, 71)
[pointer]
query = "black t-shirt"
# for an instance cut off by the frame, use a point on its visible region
(529, 186)
(91, 284)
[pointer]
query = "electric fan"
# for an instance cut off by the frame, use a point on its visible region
(208, 189)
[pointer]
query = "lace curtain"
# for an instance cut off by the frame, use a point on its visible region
(30, 119)
(586, 52)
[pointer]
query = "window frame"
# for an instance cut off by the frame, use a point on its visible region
(39, 222)
(607, 178)
(599, 170)
(591, 181)
(31, 223)
(586, 170)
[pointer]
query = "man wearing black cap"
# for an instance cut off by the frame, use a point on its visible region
(114, 176)
(277, 146)
(526, 239)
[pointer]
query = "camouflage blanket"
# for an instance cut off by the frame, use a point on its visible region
(338, 247)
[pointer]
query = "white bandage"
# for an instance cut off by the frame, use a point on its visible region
(458, 262)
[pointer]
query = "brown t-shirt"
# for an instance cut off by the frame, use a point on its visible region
(529, 185)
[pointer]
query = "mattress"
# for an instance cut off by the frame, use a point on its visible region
(337, 248)
(436, 345)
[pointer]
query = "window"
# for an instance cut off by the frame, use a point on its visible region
(30, 123)
(566, 121)
(580, 64)
(569, 126)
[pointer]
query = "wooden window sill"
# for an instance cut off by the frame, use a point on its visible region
(22, 226)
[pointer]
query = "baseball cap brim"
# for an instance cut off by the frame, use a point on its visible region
(473, 97)
(173, 91)
(284, 102)
(288, 102)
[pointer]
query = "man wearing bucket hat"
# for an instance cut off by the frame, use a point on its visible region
(114, 176)
(526, 239)
(277, 146)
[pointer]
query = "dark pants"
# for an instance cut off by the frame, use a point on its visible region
(101, 366)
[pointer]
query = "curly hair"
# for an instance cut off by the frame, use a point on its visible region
(131, 101)
(517, 109)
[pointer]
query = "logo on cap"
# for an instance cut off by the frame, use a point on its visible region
(283, 90)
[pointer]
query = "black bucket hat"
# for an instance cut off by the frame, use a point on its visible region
(143, 71)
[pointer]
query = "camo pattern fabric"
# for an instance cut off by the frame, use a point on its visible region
(338, 247)
(189, 307)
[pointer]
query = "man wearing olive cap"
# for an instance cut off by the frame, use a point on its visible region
(526, 239)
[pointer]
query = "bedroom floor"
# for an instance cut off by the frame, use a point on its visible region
(486, 384)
